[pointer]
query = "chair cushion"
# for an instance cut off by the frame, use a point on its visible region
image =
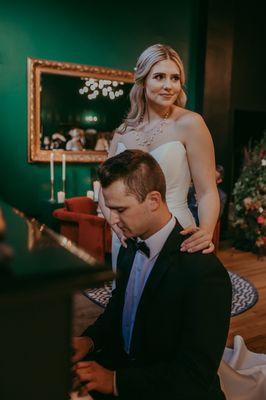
(81, 204)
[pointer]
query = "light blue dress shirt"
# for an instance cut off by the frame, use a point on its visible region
(141, 269)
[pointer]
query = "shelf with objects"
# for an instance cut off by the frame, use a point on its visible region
(40, 271)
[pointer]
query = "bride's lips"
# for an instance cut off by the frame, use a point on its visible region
(166, 96)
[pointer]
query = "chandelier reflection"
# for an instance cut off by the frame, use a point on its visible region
(101, 87)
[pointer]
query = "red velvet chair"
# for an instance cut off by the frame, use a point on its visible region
(80, 223)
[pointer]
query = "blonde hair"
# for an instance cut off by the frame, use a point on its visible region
(147, 59)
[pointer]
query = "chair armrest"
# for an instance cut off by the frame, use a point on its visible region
(91, 219)
(64, 215)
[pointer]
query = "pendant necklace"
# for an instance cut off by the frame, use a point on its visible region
(147, 140)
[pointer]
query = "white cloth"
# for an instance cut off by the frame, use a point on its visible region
(243, 373)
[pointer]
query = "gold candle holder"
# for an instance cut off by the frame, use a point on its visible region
(64, 185)
(52, 190)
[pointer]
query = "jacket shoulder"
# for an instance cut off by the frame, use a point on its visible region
(197, 265)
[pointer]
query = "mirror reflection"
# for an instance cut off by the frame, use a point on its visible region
(80, 113)
(74, 109)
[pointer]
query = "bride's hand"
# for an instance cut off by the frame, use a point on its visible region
(200, 239)
(120, 235)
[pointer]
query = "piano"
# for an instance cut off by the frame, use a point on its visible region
(39, 274)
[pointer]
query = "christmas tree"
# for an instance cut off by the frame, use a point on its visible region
(249, 217)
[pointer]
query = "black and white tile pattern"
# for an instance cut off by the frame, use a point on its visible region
(245, 295)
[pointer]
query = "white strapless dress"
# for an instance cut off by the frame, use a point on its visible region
(172, 159)
(242, 373)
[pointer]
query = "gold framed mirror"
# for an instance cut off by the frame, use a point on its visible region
(74, 109)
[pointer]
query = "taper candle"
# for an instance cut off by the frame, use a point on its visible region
(90, 194)
(60, 197)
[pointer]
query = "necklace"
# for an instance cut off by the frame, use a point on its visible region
(158, 130)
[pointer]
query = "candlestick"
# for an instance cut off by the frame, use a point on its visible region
(52, 176)
(52, 166)
(63, 167)
(64, 186)
(52, 190)
(96, 188)
(64, 173)
(90, 194)
(60, 197)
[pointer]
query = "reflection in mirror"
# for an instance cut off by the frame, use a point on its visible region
(74, 109)
(80, 113)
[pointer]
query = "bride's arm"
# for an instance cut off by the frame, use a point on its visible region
(201, 158)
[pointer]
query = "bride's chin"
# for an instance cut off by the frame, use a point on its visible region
(166, 102)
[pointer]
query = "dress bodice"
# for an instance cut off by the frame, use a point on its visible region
(172, 158)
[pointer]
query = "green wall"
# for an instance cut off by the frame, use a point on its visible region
(110, 35)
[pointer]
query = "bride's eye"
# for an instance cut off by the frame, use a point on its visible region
(176, 78)
(158, 77)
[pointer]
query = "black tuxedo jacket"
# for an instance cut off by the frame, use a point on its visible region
(180, 328)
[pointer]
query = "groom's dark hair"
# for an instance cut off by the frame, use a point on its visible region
(139, 171)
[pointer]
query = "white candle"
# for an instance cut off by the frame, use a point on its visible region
(60, 197)
(52, 166)
(90, 194)
(96, 188)
(63, 167)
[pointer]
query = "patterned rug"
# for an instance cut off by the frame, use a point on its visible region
(245, 295)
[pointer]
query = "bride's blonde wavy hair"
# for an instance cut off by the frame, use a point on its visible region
(147, 59)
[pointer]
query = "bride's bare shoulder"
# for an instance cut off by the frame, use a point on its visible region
(186, 117)
(189, 124)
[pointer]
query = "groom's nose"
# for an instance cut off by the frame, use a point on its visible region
(114, 217)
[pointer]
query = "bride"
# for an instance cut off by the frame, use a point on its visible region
(177, 138)
(181, 143)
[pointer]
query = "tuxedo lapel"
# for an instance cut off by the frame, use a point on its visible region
(165, 260)
(124, 262)
(126, 257)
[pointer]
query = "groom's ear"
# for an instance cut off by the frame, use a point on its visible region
(154, 200)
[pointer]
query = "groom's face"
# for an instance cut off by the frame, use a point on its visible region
(131, 216)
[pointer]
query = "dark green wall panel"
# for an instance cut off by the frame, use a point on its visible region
(110, 35)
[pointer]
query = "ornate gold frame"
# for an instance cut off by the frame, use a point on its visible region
(35, 68)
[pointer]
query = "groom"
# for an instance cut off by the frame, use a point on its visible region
(164, 330)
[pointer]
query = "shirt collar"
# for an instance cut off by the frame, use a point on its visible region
(158, 239)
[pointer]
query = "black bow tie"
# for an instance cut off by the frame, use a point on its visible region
(142, 246)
